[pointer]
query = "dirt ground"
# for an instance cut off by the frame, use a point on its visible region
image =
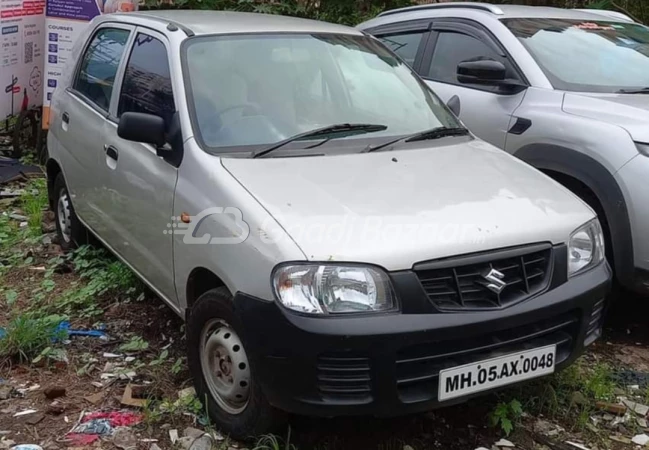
(94, 372)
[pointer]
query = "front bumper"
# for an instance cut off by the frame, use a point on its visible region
(387, 365)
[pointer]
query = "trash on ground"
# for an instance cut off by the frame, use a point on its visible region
(576, 445)
(64, 328)
(505, 443)
(620, 439)
(25, 412)
(124, 438)
(95, 399)
(640, 439)
(27, 447)
(111, 355)
(613, 408)
(637, 408)
(130, 396)
(94, 425)
(173, 436)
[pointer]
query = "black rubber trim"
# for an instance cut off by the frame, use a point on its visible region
(521, 126)
(601, 182)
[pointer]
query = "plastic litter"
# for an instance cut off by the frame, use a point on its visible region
(26, 447)
(64, 327)
(100, 424)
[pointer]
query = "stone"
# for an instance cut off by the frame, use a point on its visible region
(5, 391)
(505, 444)
(193, 433)
(637, 408)
(55, 408)
(202, 443)
(124, 439)
(53, 392)
(640, 439)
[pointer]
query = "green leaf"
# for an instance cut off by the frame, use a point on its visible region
(506, 425)
(516, 407)
(10, 296)
(136, 344)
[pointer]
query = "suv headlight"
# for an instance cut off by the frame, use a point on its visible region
(333, 289)
(586, 248)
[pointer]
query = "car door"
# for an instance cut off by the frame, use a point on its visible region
(79, 118)
(408, 40)
(139, 185)
(486, 110)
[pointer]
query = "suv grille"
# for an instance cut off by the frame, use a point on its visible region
(461, 283)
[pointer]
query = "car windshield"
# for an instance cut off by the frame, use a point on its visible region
(587, 56)
(247, 92)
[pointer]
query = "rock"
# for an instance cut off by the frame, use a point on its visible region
(154, 446)
(637, 408)
(190, 391)
(54, 392)
(184, 442)
(578, 399)
(407, 447)
(640, 439)
(505, 443)
(620, 439)
(193, 433)
(33, 420)
(202, 443)
(124, 438)
(55, 408)
(5, 391)
(618, 392)
(641, 422)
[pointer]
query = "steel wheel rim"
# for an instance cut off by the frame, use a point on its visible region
(225, 366)
(63, 217)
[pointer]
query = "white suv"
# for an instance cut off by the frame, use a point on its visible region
(337, 242)
(564, 90)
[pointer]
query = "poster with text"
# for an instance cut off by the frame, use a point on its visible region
(65, 20)
(21, 55)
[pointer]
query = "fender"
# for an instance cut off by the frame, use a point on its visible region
(602, 183)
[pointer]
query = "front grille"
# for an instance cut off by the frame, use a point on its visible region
(418, 366)
(344, 378)
(461, 284)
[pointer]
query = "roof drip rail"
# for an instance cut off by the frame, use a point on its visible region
(608, 13)
(493, 9)
(171, 24)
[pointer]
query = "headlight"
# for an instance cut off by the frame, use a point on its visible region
(643, 148)
(586, 248)
(333, 289)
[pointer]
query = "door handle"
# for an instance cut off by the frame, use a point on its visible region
(111, 152)
(66, 118)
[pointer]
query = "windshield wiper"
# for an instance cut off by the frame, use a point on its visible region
(634, 91)
(433, 133)
(355, 128)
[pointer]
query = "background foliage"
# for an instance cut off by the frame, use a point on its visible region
(352, 12)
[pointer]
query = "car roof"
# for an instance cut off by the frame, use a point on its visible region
(475, 9)
(229, 22)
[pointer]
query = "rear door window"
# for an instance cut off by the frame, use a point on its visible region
(96, 75)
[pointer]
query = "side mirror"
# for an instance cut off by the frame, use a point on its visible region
(454, 105)
(140, 127)
(483, 71)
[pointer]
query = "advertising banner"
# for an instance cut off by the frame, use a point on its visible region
(64, 22)
(21, 55)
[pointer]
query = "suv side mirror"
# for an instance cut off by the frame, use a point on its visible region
(141, 127)
(483, 71)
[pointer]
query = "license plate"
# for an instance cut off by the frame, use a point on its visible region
(491, 373)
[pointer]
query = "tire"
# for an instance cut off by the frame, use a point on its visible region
(69, 229)
(212, 323)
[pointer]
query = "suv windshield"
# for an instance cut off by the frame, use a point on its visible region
(592, 56)
(247, 92)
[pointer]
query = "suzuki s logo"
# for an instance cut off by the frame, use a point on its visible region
(494, 281)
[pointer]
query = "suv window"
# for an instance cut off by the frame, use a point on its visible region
(453, 48)
(147, 80)
(404, 45)
(99, 65)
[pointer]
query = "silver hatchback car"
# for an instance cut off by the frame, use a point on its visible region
(336, 240)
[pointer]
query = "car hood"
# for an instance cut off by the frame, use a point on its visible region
(629, 111)
(398, 208)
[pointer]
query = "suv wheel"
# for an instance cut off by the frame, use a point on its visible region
(223, 374)
(70, 231)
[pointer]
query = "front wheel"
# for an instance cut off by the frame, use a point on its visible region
(70, 230)
(223, 374)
